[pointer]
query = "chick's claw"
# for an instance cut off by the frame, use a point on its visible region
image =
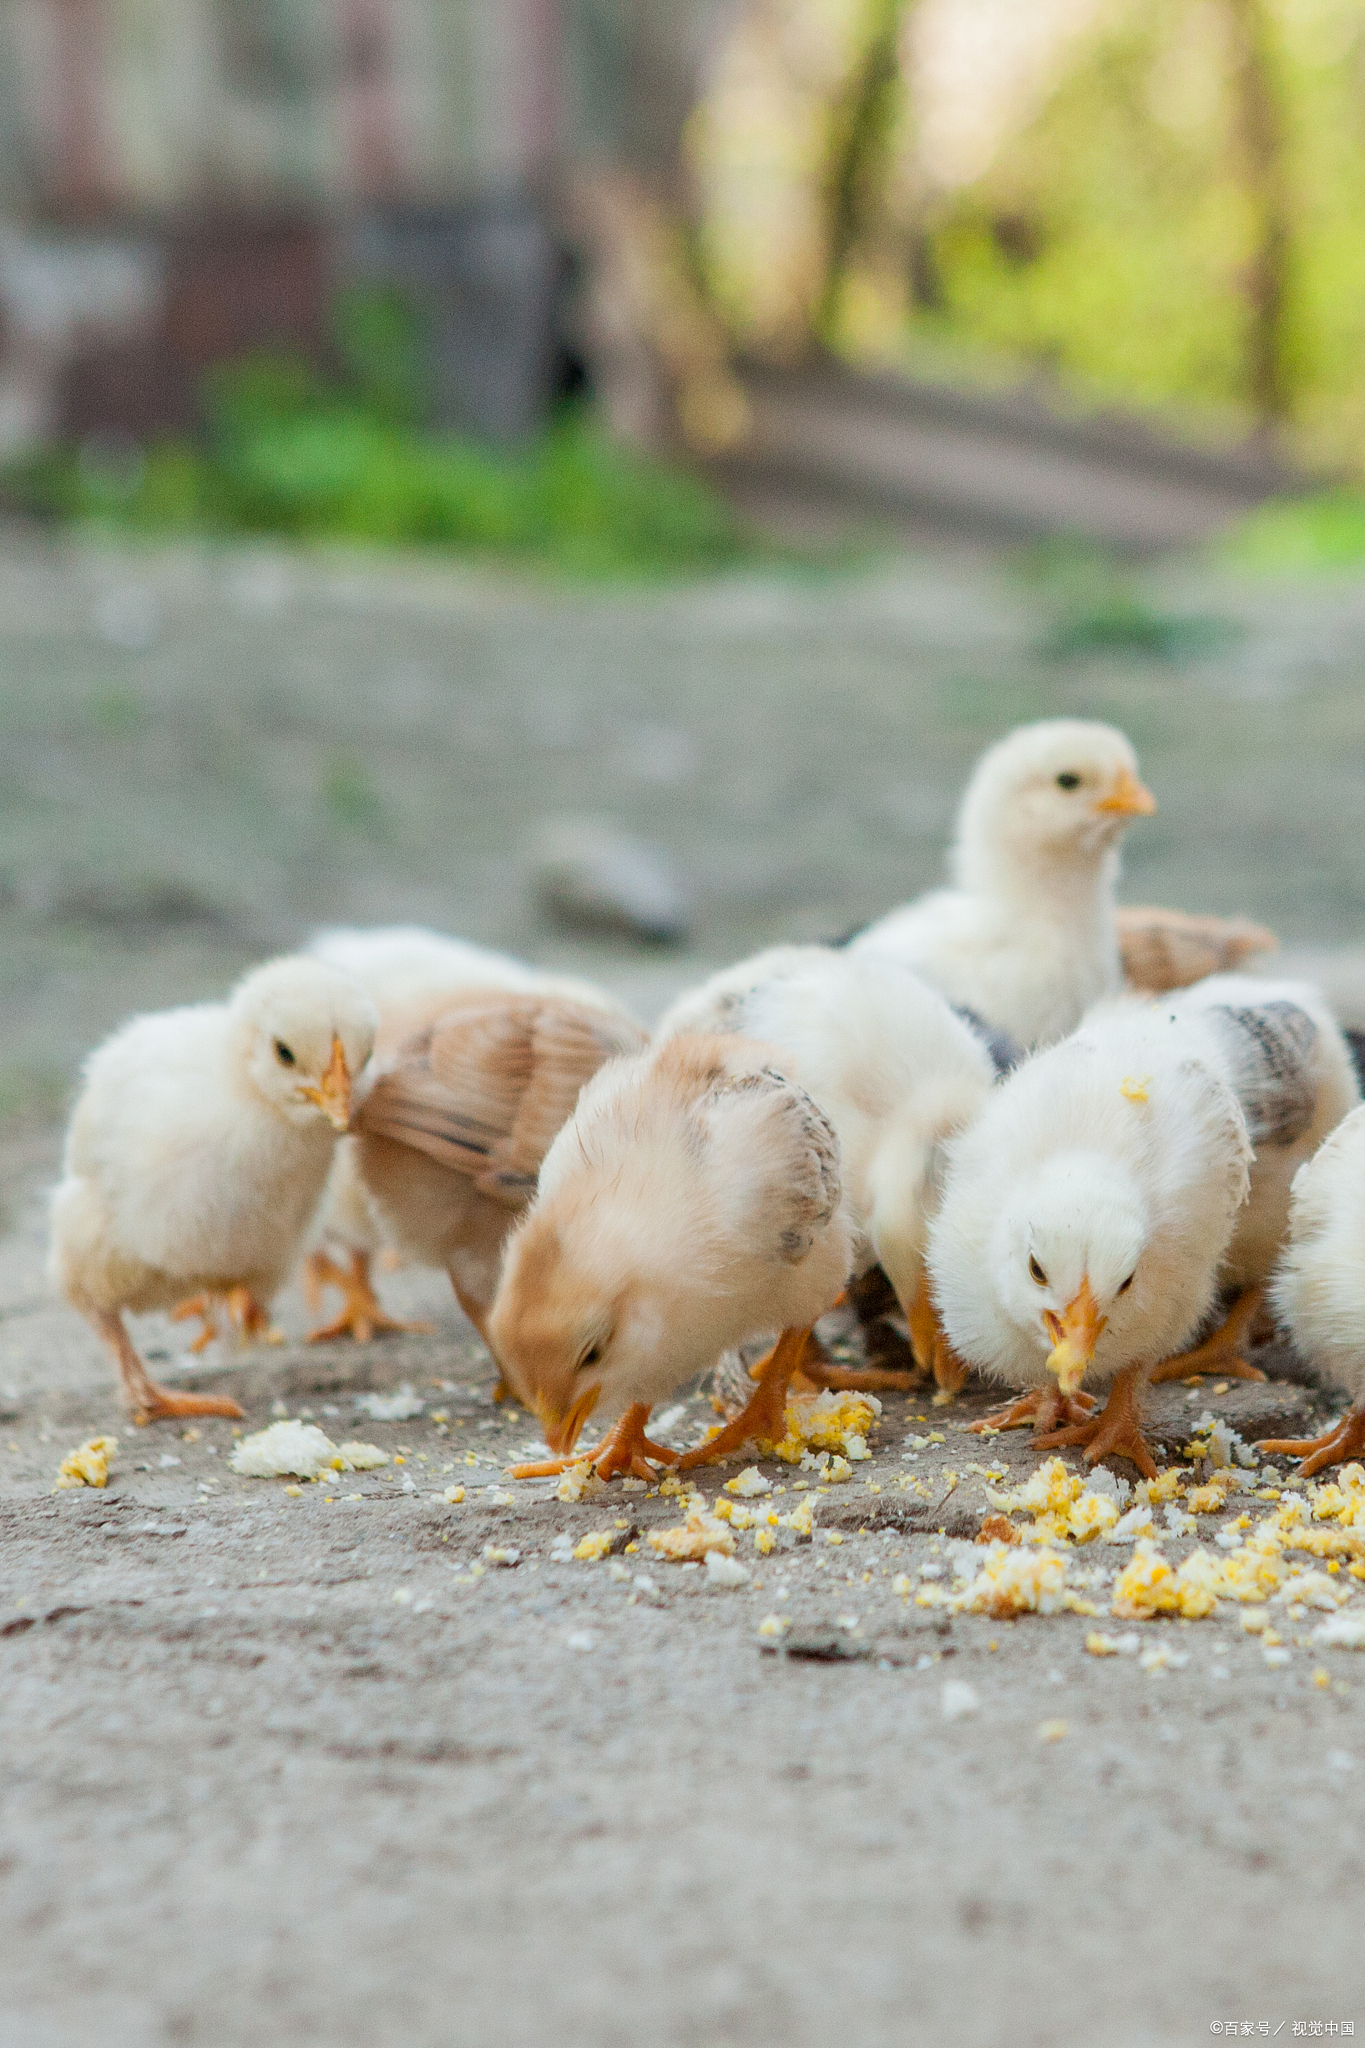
(361, 1316)
(199, 1307)
(624, 1450)
(1334, 1447)
(1046, 1408)
(1222, 1352)
(159, 1404)
(765, 1417)
(1116, 1431)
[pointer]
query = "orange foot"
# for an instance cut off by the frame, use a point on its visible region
(1046, 1408)
(764, 1417)
(933, 1352)
(1222, 1352)
(147, 1401)
(1347, 1440)
(625, 1448)
(361, 1316)
(1118, 1429)
(199, 1307)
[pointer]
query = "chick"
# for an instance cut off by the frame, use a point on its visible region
(1085, 1218)
(399, 966)
(1291, 1069)
(1027, 938)
(197, 1151)
(1166, 949)
(693, 1201)
(895, 1070)
(1319, 1288)
(459, 1115)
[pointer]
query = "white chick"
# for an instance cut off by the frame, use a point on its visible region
(896, 1071)
(1085, 1218)
(692, 1201)
(1292, 1072)
(196, 1154)
(1319, 1288)
(399, 967)
(466, 1095)
(1026, 938)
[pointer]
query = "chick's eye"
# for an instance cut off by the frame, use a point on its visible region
(1128, 1282)
(591, 1356)
(283, 1054)
(1068, 780)
(1036, 1272)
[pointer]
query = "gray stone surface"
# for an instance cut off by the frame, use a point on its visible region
(246, 1793)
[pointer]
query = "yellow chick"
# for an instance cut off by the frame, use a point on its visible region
(399, 967)
(1026, 938)
(453, 1129)
(693, 1201)
(197, 1150)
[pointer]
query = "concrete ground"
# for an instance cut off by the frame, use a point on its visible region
(309, 1766)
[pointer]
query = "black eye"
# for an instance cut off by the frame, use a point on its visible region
(283, 1054)
(590, 1357)
(1128, 1282)
(1066, 780)
(1036, 1272)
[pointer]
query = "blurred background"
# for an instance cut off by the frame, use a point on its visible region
(592, 474)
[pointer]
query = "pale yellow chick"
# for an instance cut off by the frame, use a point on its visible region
(695, 1200)
(196, 1154)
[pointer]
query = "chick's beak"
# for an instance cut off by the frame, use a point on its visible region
(1074, 1337)
(1129, 798)
(333, 1095)
(562, 1431)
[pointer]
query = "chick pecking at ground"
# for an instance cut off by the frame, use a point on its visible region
(1319, 1288)
(460, 1113)
(1085, 1218)
(693, 1201)
(400, 967)
(1026, 938)
(897, 1072)
(1115, 1183)
(197, 1151)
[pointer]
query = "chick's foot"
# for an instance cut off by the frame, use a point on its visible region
(1117, 1430)
(361, 1316)
(765, 1415)
(148, 1402)
(1222, 1352)
(251, 1321)
(1334, 1447)
(624, 1449)
(933, 1353)
(1045, 1408)
(200, 1308)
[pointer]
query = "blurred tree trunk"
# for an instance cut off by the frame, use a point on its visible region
(1260, 130)
(856, 164)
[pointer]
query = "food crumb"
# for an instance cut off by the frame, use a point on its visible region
(89, 1464)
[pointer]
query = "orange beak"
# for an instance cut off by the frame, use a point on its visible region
(1129, 798)
(1074, 1337)
(333, 1097)
(563, 1434)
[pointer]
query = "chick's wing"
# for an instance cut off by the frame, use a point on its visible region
(485, 1088)
(785, 1152)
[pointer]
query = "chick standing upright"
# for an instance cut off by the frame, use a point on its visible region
(197, 1151)
(1026, 938)
(693, 1200)
(892, 1066)
(1319, 1289)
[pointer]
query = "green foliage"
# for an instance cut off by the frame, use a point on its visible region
(1115, 238)
(1323, 532)
(286, 451)
(1097, 609)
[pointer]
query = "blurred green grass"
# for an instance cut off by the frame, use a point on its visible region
(1326, 531)
(341, 454)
